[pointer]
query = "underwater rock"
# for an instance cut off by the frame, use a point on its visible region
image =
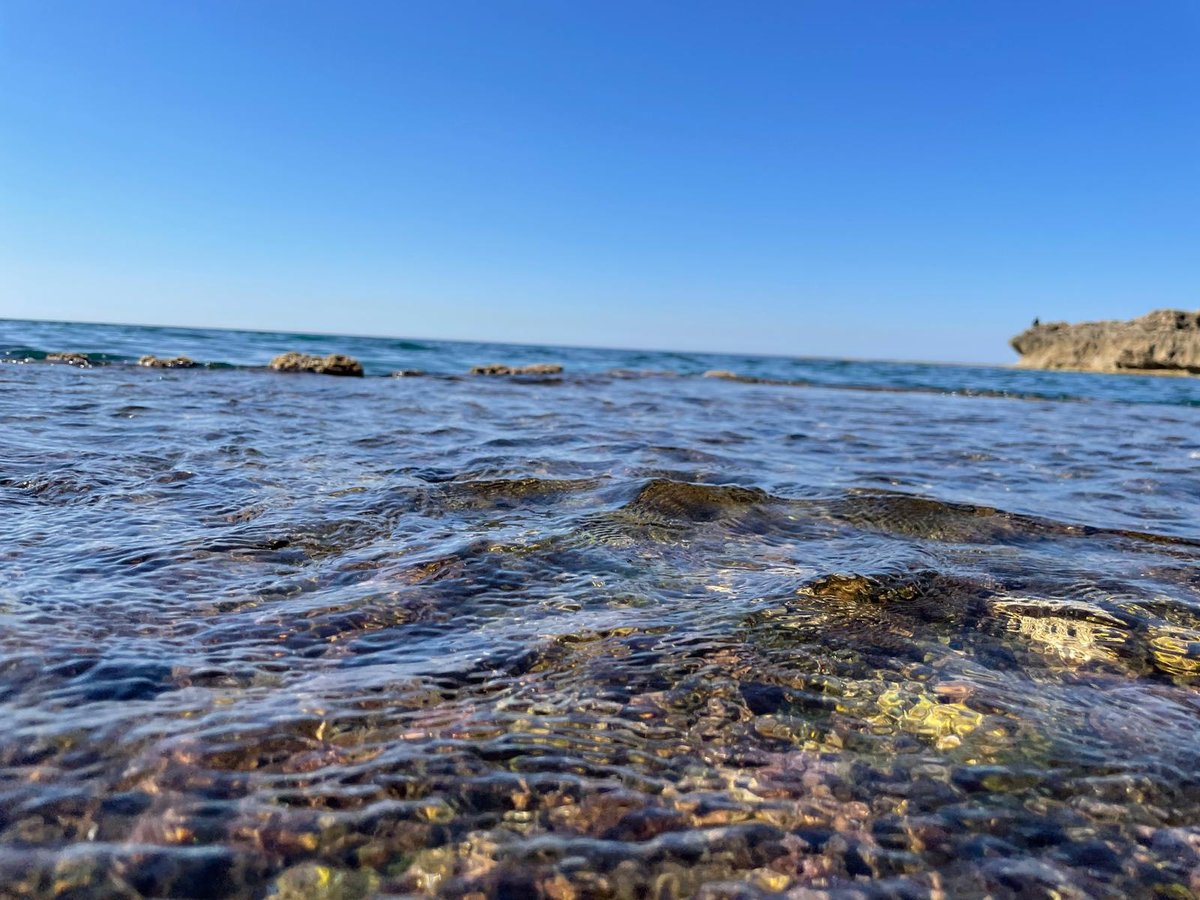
(1166, 341)
(408, 373)
(641, 373)
(727, 375)
(333, 364)
(71, 358)
(164, 362)
(685, 502)
(532, 369)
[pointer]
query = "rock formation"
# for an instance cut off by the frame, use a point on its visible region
(71, 358)
(1166, 341)
(533, 369)
(333, 364)
(164, 362)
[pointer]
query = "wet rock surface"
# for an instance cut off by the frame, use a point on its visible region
(627, 637)
(333, 364)
(531, 369)
(1166, 341)
(71, 358)
(167, 362)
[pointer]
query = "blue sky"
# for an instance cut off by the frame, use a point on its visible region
(868, 178)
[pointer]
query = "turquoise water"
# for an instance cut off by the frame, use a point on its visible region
(880, 630)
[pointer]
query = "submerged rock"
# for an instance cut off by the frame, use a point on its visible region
(408, 373)
(165, 362)
(532, 369)
(641, 373)
(71, 358)
(683, 501)
(726, 375)
(333, 364)
(1166, 341)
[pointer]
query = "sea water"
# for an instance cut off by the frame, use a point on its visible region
(851, 628)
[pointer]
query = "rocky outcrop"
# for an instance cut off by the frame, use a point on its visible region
(164, 362)
(534, 369)
(1166, 341)
(71, 358)
(333, 364)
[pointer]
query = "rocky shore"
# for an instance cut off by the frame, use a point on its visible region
(1164, 342)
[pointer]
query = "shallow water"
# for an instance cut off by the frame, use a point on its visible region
(598, 635)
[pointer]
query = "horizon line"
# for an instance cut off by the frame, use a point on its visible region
(336, 334)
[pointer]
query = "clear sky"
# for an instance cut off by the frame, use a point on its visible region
(911, 179)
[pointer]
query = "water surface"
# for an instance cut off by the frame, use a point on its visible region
(888, 630)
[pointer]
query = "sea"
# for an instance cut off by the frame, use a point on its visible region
(815, 628)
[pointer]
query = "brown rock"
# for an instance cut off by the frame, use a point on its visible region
(534, 369)
(163, 362)
(1166, 341)
(71, 358)
(333, 364)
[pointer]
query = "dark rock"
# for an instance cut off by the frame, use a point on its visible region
(127, 803)
(122, 680)
(986, 846)
(1093, 854)
(333, 364)
(1027, 877)
(1166, 341)
(164, 362)
(407, 373)
(856, 864)
(814, 838)
(763, 699)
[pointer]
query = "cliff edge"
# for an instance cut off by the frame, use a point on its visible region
(1166, 341)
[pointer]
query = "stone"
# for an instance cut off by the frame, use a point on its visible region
(1166, 341)
(532, 369)
(164, 362)
(333, 364)
(408, 373)
(71, 358)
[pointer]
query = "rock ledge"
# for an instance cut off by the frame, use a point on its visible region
(1166, 341)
